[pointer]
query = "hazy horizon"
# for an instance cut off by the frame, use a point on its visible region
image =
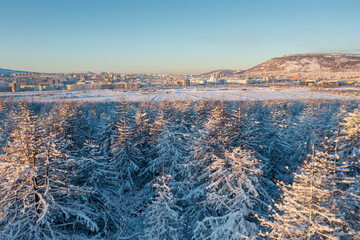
(188, 37)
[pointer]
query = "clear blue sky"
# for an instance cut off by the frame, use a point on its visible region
(184, 36)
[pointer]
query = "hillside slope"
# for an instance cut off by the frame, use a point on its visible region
(316, 62)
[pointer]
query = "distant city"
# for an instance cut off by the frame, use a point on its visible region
(17, 82)
(320, 70)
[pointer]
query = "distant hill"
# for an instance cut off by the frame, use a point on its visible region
(307, 63)
(9, 71)
(222, 72)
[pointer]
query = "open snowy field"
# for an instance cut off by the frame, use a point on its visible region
(193, 93)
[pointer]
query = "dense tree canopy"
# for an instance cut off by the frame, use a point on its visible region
(179, 170)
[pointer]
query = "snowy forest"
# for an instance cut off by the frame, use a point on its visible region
(180, 170)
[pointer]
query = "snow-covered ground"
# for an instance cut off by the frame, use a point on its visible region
(175, 94)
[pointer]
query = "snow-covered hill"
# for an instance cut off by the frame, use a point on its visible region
(9, 71)
(315, 62)
(222, 72)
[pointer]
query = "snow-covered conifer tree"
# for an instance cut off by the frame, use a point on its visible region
(142, 132)
(74, 125)
(303, 126)
(234, 194)
(309, 208)
(92, 121)
(2, 105)
(276, 145)
(97, 172)
(201, 112)
(105, 136)
(240, 128)
(162, 216)
(349, 151)
(210, 141)
(171, 154)
(4, 124)
(38, 197)
(213, 137)
(127, 161)
(349, 139)
(127, 158)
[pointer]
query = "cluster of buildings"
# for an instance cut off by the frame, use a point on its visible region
(27, 81)
(88, 81)
(318, 79)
